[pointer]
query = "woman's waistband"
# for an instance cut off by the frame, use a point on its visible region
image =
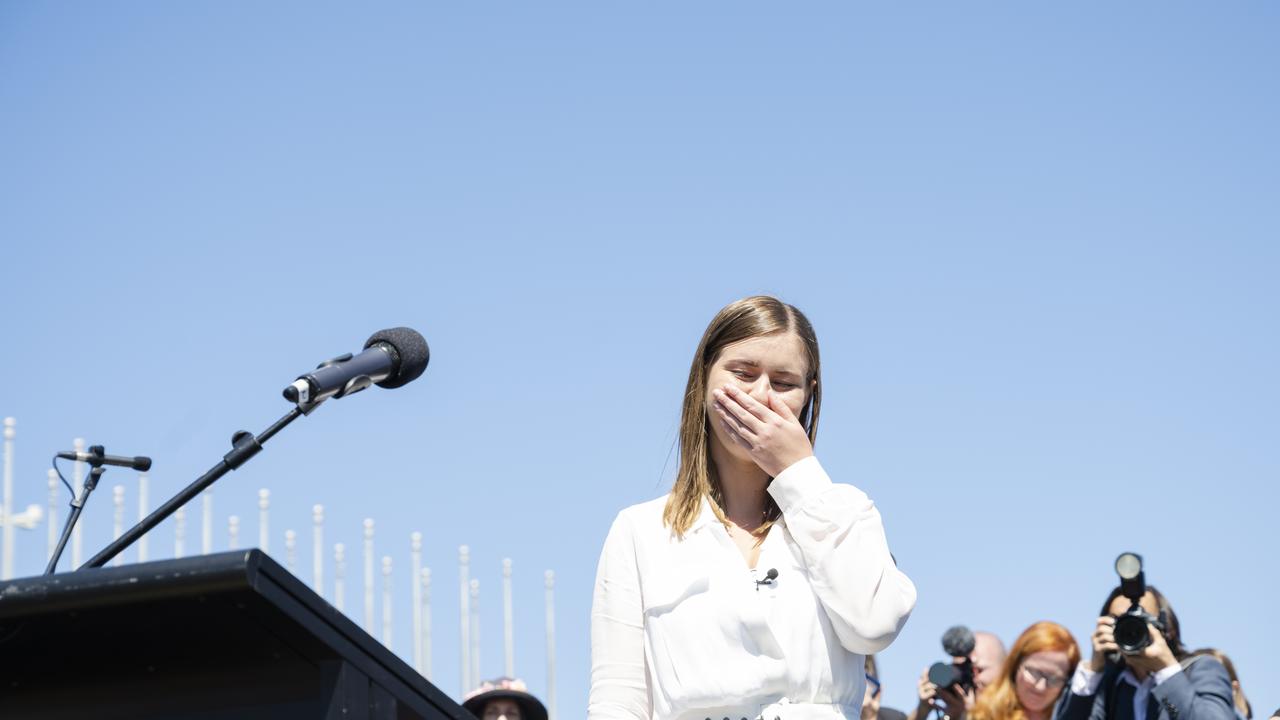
(784, 709)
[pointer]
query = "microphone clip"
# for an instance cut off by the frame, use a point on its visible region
(769, 578)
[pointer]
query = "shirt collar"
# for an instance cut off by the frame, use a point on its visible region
(706, 517)
(1127, 676)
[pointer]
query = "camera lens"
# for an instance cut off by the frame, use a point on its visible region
(1132, 634)
(943, 674)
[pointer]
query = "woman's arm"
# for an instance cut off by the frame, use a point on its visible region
(839, 532)
(619, 687)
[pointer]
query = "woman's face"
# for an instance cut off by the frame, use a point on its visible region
(759, 366)
(1040, 679)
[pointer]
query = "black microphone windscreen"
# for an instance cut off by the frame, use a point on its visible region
(958, 641)
(142, 463)
(772, 574)
(412, 350)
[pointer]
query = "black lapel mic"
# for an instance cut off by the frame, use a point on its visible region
(769, 577)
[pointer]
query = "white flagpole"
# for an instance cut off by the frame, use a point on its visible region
(415, 563)
(291, 551)
(475, 631)
(143, 481)
(6, 567)
(386, 601)
(206, 530)
(551, 645)
(233, 533)
(264, 504)
(180, 532)
(368, 575)
(53, 514)
(426, 623)
(317, 549)
(77, 484)
(508, 622)
(339, 576)
(117, 520)
(464, 572)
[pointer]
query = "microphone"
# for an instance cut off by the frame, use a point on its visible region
(391, 358)
(769, 577)
(140, 463)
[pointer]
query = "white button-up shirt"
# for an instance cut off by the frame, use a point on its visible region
(682, 630)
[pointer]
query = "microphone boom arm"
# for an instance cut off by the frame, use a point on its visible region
(243, 447)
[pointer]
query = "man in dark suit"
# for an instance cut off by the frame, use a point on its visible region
(1160, 682)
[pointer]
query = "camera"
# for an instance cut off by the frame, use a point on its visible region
(1131, 627)
(957, 642)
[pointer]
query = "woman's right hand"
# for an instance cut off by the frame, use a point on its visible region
(1104, 642)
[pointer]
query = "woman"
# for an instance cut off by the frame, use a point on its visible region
(757, 585)
(1033, 676)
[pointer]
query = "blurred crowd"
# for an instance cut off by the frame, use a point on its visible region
(1134, 667)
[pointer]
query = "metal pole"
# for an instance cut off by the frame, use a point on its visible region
(317, 549)
(415, 562)
(77, 484)
(180, 532)
(475, 631)
(53, 513)
(426, 623)
(386, 601)
(233, 533)
(508, 622)
(143, 482)
(206, 531)
(291, 551)
(264, 535)
(551, 645)
(6, 567)
(464, 572)
(339, 576)
(368, 575)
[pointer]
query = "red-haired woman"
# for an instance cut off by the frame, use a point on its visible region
(1033, 676)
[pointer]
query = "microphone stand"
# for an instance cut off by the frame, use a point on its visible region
(243, 447)
(96, 454)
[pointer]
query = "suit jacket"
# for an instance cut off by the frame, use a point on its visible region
(1202, 691)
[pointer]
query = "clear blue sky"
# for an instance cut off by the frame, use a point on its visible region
(1039, 243)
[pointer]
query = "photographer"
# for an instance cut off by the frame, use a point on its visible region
(954, 702)
(1121, 680)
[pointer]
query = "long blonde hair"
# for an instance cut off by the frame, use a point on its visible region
(749, 317)
(999, 700)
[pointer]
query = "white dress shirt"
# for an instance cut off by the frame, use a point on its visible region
(681, 629)
(1085, 682)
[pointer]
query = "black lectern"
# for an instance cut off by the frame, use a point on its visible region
(232, 635)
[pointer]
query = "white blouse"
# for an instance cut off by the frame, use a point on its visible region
(684, 630)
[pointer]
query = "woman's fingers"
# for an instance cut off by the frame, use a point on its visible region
(734, 435)
(757, 410)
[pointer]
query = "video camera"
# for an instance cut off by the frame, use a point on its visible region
(957, 642)
(1131, 628)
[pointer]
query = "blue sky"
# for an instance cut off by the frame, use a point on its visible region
(1038, 243)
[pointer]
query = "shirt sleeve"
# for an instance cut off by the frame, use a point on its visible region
(1167, 673)
(619, 687)
(1085, 681)
(841, 537)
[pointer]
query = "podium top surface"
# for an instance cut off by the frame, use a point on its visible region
(231, 614)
